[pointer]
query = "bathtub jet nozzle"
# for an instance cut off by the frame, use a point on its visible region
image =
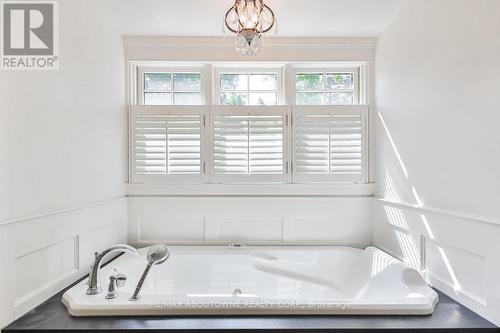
(157, 254)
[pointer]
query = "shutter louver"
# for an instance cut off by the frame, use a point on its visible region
(329, 144)
(167, 144)
(249, 145)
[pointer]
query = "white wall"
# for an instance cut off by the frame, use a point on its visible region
(62, 157)
(437, 84)
(62, 132)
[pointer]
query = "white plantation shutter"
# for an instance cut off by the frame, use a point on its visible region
(249, 144)
(329, 144)
(166, 143)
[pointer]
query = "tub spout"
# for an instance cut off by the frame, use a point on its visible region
(94, 283)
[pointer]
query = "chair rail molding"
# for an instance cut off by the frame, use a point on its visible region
(61, 211)
(441, 211)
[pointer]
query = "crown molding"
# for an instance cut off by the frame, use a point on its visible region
(172, 41)
(186, 48)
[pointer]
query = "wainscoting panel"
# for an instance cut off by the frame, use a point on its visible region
(41, 255)
(253, 220)
(173, 228)
(456, 267)
(251, 229)
(338, 229)
(459, 254)
(40, 269)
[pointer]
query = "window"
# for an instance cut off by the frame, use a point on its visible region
(247, 137)
(326, 88)
(248, 88)
(164, 87)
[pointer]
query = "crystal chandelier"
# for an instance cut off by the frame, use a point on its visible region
(249, 19)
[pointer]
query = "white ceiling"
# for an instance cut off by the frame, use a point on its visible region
(345, 18)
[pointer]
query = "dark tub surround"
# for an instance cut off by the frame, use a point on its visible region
(448, 316)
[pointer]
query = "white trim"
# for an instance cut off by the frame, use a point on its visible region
(61, 211)
(206, 88)
(296, 190)
(441, 211)
(288, 85)
(366, 90)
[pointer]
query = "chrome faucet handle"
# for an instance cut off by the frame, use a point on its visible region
(115, 281)
(120, 279)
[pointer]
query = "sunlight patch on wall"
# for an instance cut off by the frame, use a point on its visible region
(427, 226)
(419, 201)
(396, 217)
(453, 276)
(390, 188)
(389, 136)
(409, 248)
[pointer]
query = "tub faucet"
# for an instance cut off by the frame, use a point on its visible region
(94, 283)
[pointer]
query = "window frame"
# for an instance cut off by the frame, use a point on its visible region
(141, 70)
(278, 71)
(324, 71)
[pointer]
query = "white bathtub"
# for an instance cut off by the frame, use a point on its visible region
(272, 280)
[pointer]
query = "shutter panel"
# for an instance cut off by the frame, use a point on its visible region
(167, 144)
(330, 144)
(249, 144)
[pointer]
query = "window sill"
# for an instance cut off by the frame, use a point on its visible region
(340, 190)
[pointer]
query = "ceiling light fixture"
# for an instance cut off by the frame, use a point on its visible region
(249, 19)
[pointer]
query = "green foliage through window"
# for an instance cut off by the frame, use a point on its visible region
(165, 88)
(324, 89)
(248, 89)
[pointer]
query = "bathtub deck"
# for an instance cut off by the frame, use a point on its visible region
(449, 316)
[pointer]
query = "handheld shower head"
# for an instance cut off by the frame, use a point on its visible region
(157, 254)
